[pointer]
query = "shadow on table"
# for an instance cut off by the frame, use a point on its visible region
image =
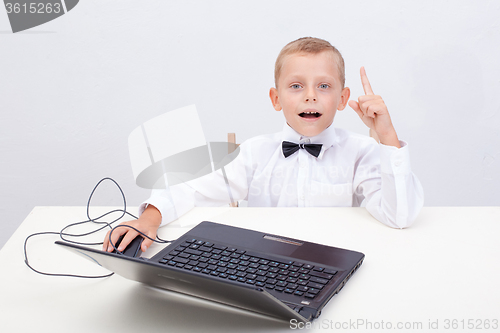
(152, 308)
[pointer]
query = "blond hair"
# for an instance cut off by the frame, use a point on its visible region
(308, 45)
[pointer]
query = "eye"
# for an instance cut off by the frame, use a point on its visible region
(324, 86)
(295, 86)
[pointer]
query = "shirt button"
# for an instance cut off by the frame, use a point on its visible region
(398, 162)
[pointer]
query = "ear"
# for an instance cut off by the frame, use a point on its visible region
(344, 98)
(273, 94)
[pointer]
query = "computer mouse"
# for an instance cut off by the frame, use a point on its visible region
(133, 249)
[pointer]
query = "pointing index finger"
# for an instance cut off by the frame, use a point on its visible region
(366, 84)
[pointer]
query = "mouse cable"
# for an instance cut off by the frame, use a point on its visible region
(62, 234)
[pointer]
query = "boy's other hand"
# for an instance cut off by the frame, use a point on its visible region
(148, 223)
(373, 111)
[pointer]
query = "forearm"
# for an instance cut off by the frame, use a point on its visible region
(389, 138)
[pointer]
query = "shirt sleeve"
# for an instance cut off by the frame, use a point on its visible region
(392, 193)
(212, 190)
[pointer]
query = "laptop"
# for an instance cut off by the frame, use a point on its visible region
(269, 274)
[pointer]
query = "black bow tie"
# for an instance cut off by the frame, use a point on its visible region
(289, 148)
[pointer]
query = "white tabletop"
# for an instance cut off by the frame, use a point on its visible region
(441, 274)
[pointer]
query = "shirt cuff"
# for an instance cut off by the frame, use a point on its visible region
(171, 205)
(395, 160)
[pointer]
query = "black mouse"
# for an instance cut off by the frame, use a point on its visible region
(133, 249)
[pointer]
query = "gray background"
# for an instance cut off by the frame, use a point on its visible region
(73, 89)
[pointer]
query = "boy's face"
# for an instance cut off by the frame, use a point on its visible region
(309, 92)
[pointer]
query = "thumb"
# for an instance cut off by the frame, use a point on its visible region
(355, 106)
(146, 243)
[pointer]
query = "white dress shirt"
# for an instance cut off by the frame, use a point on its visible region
(351, 170)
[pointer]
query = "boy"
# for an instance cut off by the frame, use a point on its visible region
(310, 163)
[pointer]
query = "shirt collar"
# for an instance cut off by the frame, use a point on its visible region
(327, 138)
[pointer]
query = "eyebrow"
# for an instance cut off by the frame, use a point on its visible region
(326, 78)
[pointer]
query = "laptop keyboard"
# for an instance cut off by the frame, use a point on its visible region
(300, 279)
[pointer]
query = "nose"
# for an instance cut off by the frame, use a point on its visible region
(310, 95)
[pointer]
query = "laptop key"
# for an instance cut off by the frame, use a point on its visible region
(313, 291)
(308, 295)
(330, 271)
(181, 260)
(321, 275)
(318, 280)
(219, 247)
(315, 285)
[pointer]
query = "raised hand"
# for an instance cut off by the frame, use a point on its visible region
(373, 112)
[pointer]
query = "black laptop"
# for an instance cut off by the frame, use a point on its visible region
(268, 274)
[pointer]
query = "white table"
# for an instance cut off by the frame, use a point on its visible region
(442, 272)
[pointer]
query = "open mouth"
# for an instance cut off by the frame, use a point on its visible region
(310, 114)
